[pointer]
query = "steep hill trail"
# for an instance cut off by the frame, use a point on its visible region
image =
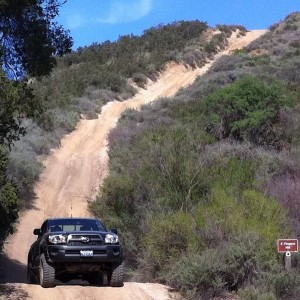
(72, 176)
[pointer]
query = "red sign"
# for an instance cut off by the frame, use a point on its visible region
(285, 245)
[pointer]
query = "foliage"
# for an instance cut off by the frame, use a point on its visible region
(8, 198)
(248, 110)
(23, 170)
(188, 202)
(29, 37)
(109, 65)
(94, 75)
(172, 229)
(251, 212)
(16, 102)
(231, 265)
(227, 29)
(217, 42)
(235, 173)
(252, 293)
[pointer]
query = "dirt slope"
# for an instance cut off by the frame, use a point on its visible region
(72, 176)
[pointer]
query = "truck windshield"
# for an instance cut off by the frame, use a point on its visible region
(57, 225)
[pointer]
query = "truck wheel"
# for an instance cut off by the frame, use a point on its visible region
(115, 277)
(47, 273)
(30, 276)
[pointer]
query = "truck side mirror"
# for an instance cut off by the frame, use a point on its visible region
(114, 230)
(37, 231)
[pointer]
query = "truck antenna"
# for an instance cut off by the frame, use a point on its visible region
(71, 207)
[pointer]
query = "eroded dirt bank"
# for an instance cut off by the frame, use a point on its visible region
(72, 176)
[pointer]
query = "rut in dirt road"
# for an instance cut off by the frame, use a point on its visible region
(72, 176)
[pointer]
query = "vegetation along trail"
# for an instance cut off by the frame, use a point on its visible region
(71, 178)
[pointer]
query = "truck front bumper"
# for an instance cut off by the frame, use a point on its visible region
(75, 254)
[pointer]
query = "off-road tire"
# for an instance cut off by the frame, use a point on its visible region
(115, 277)
(30, 277)
(47, 273)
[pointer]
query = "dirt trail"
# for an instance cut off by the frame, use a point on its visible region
(72, 176)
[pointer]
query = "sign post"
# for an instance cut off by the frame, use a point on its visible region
(287, 246)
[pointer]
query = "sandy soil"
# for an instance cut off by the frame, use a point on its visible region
(72, 176)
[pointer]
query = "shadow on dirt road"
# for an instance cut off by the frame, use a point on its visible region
(11, 271)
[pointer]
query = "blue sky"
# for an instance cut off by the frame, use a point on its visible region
(100, 20)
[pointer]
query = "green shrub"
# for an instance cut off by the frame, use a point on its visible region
(24, 169)
(197, 275)
(286, 285)
(250, 212)
(117, 194)
(57, 119)
(9, 201)
(230, 266)
(252, 293)
(139, 79)
(172, 232)
(234, 173)
(248, 110)
(226, 29)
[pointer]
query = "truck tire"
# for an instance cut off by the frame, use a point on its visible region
(115, 277)
(47, 273)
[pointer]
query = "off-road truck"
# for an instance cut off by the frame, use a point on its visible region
(75, 248)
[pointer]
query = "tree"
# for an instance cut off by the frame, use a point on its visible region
(29, 38)
(16, 101)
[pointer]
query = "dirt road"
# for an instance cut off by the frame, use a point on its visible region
(72, 176)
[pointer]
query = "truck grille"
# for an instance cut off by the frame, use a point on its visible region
(84, 239)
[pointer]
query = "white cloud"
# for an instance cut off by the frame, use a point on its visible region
(126, 11)
(119, 11)
(75, 21)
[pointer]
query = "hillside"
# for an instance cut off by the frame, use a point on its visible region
(206, 172)
(214, 174)
(55, 103)
(83, 82)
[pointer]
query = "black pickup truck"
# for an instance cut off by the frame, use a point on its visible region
(77, 248)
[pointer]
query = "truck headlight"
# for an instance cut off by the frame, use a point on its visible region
(111, 238)
(57, 239)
